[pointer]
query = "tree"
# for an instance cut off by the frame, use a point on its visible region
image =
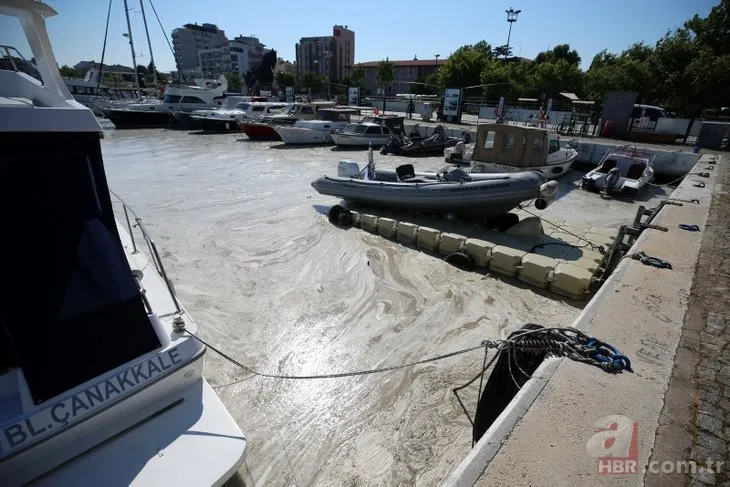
(68, 72)
(464, 67)
(313, 81)
(111, 79)
(561, 51)
(553, 77)
(714, 31)
(509, 80)
(235, 82)
(357, 75)
(284, 78)
(385, 73)
(503, 51)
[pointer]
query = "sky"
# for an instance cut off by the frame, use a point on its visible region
(399, 30)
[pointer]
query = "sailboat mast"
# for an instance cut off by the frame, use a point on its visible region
(149, 43)
(131, 45)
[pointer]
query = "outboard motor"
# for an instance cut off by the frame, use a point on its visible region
(548, 191)
(612, 179)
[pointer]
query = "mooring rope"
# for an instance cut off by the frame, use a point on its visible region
(562, 229)
(565, 342)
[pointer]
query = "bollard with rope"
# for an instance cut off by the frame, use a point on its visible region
(650, 261)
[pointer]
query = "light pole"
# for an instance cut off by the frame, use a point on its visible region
(437, 56)
(511, 19)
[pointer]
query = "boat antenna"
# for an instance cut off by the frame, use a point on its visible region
(103, 49)
(131, 46)
(177, 62)
(149, 44)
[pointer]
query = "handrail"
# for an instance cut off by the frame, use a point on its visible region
(156, 260)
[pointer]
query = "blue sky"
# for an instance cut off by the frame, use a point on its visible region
(398, 30)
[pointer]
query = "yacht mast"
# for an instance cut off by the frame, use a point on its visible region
(149, 43)
(131, 46)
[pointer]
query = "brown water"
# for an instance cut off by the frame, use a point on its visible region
(247, 243)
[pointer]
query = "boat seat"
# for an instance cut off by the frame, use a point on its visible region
(635, 171)
(607, 166)
(405, 171)
(457, 174)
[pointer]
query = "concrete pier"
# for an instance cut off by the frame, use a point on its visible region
(556, 430)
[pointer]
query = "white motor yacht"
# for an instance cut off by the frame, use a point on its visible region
(371, 132)
(316, 131)
(184, 98)
(101, 381)
(227, 120)
(511, 148)
(263, 129)
(620, 170)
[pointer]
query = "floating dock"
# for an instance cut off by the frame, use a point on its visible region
(562, 258)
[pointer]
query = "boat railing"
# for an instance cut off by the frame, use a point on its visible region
(151, 247)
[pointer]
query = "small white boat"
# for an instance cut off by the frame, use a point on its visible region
(619, 171)
(509, 148)
(101, 382)
(372, 131)
(317, 131)
(227, 120)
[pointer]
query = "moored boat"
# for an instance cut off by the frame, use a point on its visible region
(620, 170)
(264, 128)
(101, 381)
(510, 148)
(317, 131)
(372, 131)
(451, 190)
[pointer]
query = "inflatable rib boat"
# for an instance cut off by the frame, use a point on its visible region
(450, 190)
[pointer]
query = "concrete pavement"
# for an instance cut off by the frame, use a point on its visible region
(551, 433)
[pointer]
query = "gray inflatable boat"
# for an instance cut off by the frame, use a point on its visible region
(450, 190)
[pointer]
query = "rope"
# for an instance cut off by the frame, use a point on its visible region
(337, 375)
(649, 260)
(565, 342)
(588, 242)
(182, 75)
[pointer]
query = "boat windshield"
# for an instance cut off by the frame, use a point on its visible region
(351, 127)
(360, 129)
(242, 106)
(67, 299)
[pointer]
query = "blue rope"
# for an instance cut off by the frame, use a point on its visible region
(652, 261)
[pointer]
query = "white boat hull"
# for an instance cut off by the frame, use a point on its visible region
(303, 136)
(359, 140)
(551, 171)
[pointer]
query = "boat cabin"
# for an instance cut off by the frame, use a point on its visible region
(514, 145)
(255, 110)
(335, 114)
(393, 122)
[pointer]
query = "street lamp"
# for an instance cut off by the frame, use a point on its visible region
(437, 61)
(511, 19)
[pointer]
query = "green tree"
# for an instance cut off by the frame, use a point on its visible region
(357, 75)
(284, 78)
(503, 51)
(552, 77)
(510, 80)
(313, 81)
(464, 67)
(385, 73)
(561, 51)
(111, 79)
(69, 72)
(235, 82)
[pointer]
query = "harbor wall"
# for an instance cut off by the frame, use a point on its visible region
(550, 434)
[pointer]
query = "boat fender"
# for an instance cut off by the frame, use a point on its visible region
(461, 261)
(541, 204)
(340, 216)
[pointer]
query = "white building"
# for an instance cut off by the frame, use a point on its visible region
(189, 40)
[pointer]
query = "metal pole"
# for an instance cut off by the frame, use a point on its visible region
(149, 43)
(131, 46)
(509, 34)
